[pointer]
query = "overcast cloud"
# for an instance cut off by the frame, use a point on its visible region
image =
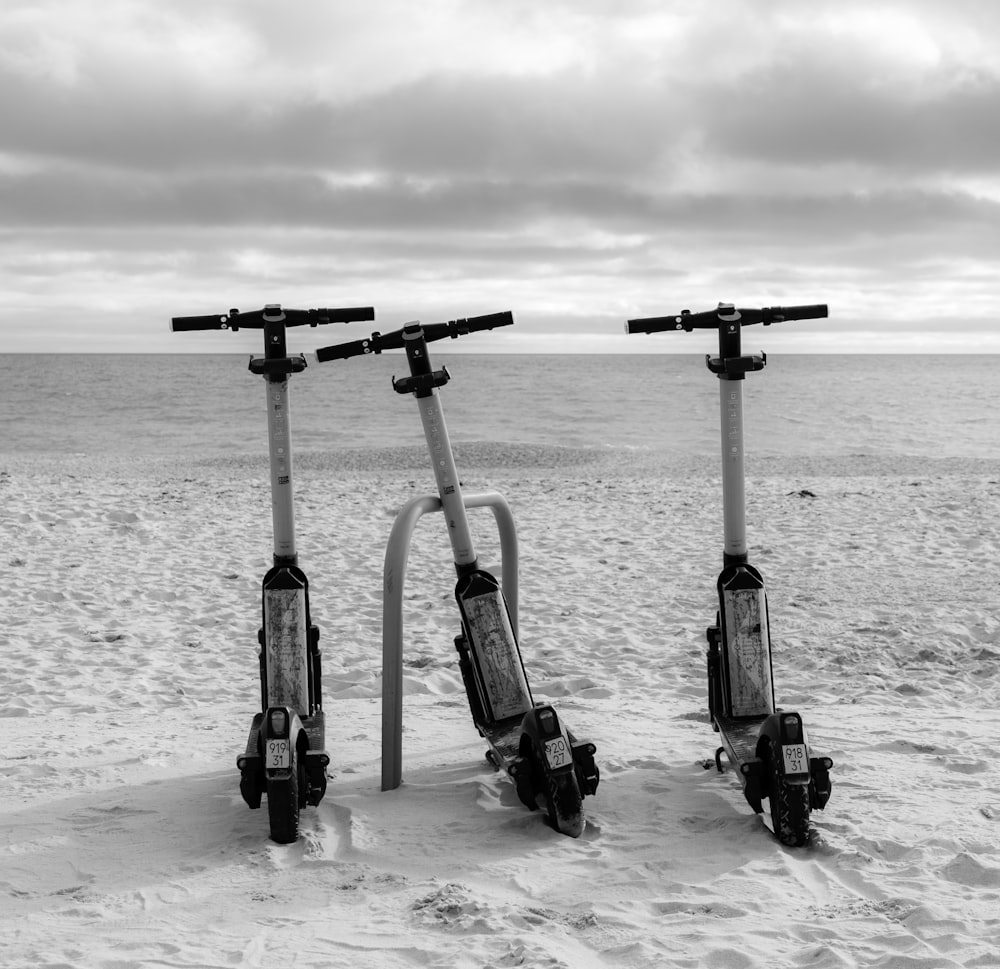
(578, 162)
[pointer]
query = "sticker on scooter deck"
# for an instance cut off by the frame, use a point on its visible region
(495, 652)
(286, 635)
(748, 649)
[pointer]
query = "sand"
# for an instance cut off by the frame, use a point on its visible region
(129, 680)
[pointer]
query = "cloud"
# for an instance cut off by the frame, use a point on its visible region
(582, 156)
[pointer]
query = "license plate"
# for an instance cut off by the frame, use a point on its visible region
(557, 753)
(796, 758)
(277, 755)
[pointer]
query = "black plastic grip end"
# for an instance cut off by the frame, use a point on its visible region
(344, 351)
(186, 324)
(814, 311)
(348, 314)
(490, 320)
(653, 324)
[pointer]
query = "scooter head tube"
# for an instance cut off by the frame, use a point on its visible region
(277, 369)
(422, 384)
(734, 368)
(422, 380)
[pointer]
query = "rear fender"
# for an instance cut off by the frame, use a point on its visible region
(552, 743)
(293, 732)
(782, 730)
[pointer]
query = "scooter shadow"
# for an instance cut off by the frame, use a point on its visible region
(125, 837)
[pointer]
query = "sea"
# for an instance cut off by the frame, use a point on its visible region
(210, 406)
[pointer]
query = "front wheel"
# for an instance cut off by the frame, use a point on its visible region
(283, 805)
(564, 803)
(789, 804)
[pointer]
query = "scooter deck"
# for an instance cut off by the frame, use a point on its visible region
(504, 738)
(739, 737)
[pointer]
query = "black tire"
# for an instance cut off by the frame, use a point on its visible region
(564, 803)
(283, 806)
(789, 804)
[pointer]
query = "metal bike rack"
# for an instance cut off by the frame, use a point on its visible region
(396, 554)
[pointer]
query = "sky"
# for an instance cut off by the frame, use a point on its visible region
(579, 162)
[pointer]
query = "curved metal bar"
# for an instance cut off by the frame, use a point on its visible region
(396, 555)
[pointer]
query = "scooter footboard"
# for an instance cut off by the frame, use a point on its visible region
(251, 766)
(741, 739)
(820, 785)
(315, 757)
(587, 772)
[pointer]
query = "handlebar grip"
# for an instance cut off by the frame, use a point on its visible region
(489, 321)
(347, 314)
(342, 351)
(651, 324)
(457, 328)
(181, 324)
(816, 311)
(686, 320)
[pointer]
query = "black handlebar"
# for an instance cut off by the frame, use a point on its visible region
(710, 319)
(378, 342)
(255, 319)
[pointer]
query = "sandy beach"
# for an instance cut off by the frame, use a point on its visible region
(129, 681)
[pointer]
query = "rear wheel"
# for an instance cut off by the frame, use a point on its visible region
(283, 805)
(789, 804)
(564, 803)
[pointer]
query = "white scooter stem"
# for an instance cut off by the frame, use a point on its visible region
(442, 458)
(279, 440)
(733, 475)
(733, 469)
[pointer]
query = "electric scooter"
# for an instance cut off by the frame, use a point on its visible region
(550, 767)
(768, 746)
(285, 756)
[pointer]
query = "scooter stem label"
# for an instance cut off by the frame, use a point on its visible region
(286, 638)
(748, 653)
(496, 653)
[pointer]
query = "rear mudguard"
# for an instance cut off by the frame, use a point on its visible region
(294, 732)
(548, 748)
(779, 729)
(255, 775)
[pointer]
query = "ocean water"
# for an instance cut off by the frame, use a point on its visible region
(209, 406)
